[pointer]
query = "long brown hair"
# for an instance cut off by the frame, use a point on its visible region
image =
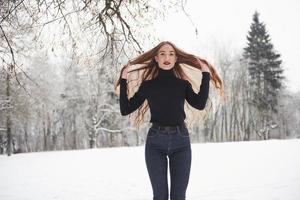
(144, 67)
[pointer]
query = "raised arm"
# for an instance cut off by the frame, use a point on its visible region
(128, 106)
(198, 101)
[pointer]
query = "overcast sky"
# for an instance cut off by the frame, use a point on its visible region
(228, 22)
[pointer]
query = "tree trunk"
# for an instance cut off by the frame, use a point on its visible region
(44, 133)
(8, 117)
(74, 132)
(27, 147)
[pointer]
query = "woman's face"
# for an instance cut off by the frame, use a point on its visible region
(166, 57)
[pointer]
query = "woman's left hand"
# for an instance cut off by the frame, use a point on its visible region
(204, 67)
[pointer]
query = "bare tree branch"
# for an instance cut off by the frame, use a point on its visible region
(10, 11)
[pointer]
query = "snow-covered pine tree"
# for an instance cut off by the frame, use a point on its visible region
(265, 76)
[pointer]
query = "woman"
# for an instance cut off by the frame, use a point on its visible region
(164, 88)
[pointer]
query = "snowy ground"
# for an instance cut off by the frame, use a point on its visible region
(261, 170)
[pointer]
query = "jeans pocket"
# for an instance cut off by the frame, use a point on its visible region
(184, 133)
(152, 132)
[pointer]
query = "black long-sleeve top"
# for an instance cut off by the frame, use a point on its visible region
(165, 94)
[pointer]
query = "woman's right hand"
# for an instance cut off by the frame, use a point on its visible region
(125, 71)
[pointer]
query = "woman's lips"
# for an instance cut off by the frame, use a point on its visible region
(167, 63)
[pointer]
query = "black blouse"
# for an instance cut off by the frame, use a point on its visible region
(165, 94)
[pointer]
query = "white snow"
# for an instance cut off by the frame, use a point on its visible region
(257, 170)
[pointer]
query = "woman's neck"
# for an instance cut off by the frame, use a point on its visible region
(165, 72)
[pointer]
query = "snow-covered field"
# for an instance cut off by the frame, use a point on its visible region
(260, 170)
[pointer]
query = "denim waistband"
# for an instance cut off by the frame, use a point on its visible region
(168, 128)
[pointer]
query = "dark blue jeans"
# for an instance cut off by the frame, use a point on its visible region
(171, 148)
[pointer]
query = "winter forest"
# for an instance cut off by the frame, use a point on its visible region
(60, 61)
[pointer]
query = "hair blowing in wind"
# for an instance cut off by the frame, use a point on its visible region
(187, 65)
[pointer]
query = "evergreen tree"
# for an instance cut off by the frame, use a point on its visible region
(264, 67)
